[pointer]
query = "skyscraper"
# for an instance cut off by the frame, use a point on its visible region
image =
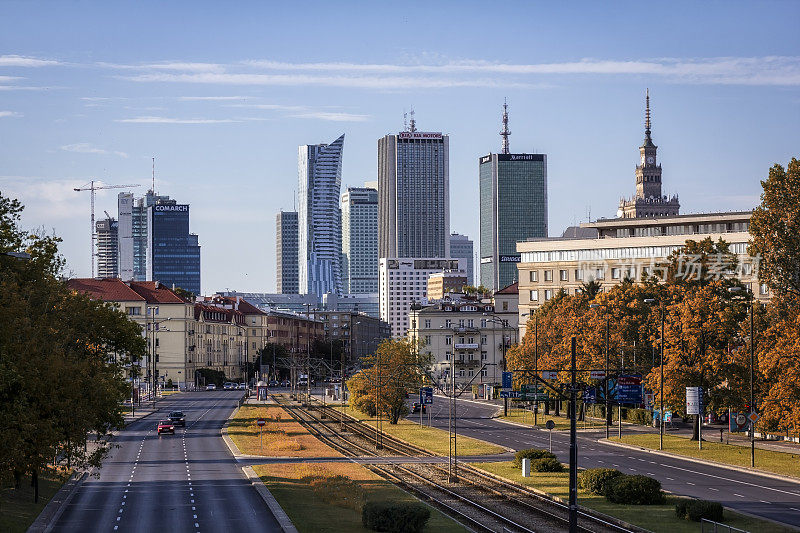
(107, 252)
(414, 194)
(360, 240)
(125, 204)
(319, 218)
(648, 201)
(513, 203)
(286, 252)
(173, 254)
(461, 248)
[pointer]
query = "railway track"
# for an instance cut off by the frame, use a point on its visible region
(480, 501)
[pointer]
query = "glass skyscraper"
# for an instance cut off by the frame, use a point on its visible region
(360, 240)
(319, 218)
(513, 204)
(173, 254)
(286, 252)
(461, 248)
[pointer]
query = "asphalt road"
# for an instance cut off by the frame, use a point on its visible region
(750, 493)
(183, 482)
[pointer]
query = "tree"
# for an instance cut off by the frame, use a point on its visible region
(394, 370)
(775, 230)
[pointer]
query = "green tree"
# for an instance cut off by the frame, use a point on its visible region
(775, 230)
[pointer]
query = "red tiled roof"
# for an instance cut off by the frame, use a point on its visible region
(200, 308)
(156, 293)
(511, 289)
(108, 289)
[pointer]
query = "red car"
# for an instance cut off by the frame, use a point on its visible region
(166, 426)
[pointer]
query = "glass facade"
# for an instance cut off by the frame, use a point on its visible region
(360, 240)
(173, 254)
(286, 252)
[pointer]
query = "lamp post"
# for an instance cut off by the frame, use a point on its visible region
(153, 353)
(503, 327)
(749, 296)
(661, 393)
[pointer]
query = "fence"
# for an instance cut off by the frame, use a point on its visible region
(709, 526)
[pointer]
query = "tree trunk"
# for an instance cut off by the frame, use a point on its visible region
(696, 428)
(547, 407)
(17, 479)
(35, 482)
(558, 407)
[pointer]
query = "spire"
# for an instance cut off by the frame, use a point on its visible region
(505, 133)
(647, 140)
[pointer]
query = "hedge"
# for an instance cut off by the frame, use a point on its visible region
(395, 517)
(634, 490)
(596, 480)
(546, 464)
(532, 454)
(695, 510)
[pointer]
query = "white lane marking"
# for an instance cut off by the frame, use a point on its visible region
(729, 479)
(764, 501)
(690, 483)
(669, 478)
(116, 527)
(712, 488)
(612, 464)
(195, 517)
(738, 495)
(650, 474)
(599, 461)
(794, 509)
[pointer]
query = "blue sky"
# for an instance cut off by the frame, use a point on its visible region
(221, 94)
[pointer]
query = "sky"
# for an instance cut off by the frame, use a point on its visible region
(222, 94)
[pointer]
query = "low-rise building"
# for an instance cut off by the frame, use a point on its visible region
(360, 333)
(441, 284)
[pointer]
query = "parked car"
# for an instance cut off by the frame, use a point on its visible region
(417, 406)
(211, 386)
(272, 383)
(228, 385)
(242, 386)
(285, 383)
(166, 426)
(178, 418)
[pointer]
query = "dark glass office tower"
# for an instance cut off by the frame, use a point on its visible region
(173, 254)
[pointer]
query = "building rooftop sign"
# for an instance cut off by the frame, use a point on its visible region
(419, 135)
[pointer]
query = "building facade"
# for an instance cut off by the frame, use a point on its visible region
(288, 272)
(125, 204)
(414, 195)
(404, 281)
(360, 333)
(173, 254)
(461, 248)
(648, 201)
(300, 303)
(360, 240)
(440, 284)
(625, 248)
(320, 218)
(107, 248)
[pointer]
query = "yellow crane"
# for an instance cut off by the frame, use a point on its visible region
(91, 186)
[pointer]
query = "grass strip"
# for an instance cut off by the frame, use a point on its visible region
(322, 497)
(17, 509)
(787, 464)
(657, 518)
(525, 417)
(282, 435)
(433, 440)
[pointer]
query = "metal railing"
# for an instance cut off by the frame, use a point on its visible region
(709, 526)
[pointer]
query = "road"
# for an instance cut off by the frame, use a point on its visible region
(184, 482)
(751, 493)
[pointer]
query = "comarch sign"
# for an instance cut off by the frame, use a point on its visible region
(179, 207)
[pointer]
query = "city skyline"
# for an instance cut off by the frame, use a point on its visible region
(224, 120)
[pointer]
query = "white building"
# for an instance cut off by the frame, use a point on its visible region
(107, 252)
(404, 281)
(319, 218)
(360, 240)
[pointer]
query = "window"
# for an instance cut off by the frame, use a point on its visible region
(484, 373)
(448, 323)
(461, 373)
(534, 275)
(427, 323)
(133, 311)
(614, 273)
(763, 289)
(484, 356)
(534, 296)
(461, 323)
(427, 340)
(548, 294)
(448, 340)
(483, 322)
(599, 273)
(483, 339)
(446, 356)
(470, 323)
(548, 275)
(563, 275)
(578, 274)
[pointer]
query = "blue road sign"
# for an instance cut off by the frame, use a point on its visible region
(509, 394)
(507, 378)
(426, 395)
(590, 395)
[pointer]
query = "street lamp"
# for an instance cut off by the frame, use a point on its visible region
(750, 301)
(605, 385)
(153, 323)
(652, 301)
(503, 327)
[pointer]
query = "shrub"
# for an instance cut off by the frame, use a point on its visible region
(532, 454)
(338, 490)
(696, 510)
(640, 416)
(395, 517)
(596, 480)
(634, 490)
(546, 464)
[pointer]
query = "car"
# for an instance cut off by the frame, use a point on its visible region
(285, 383)
(416, 407)
(242, 386)
(178, 418)
(166, 426)
(272, 383)
(211, 386)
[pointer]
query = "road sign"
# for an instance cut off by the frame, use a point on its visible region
(741, 419)
(509, 394)
(426, 395)
(694, 400)
(590, 395)
(507, 376)
(753, 417)
(261, 421)
(597, 374)
(550, 424)
(629, 389)
(549, 374)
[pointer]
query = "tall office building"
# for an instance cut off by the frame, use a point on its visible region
(513, 203)
(107, 251)
(461, 248)
(414, 194)
(173, 254)
(125, 203)
(132, 236)
(286, 252)
(319, 218)
(360, 240)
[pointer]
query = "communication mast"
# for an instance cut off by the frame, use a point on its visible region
(505, 133)
(412, 126)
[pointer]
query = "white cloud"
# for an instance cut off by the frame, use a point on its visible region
(212, 98)
(86, 148)
(22, 61)
(9, 114)
(167, 120)
(335, 117)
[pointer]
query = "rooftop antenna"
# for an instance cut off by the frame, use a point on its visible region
(412, 122)
(505, 133)
(405, 120)
(153, 188)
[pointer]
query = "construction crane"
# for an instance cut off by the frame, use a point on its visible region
(92, 187)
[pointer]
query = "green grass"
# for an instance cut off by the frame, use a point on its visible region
(311, 514)
(434, 440)
(525, 416)
(17, 510)
(787, 464)
(655, 518)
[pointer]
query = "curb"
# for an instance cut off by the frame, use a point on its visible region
(277, 511)
(46, 520)
(706, 462)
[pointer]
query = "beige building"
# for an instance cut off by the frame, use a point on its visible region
(443, 283)
(626, 248)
